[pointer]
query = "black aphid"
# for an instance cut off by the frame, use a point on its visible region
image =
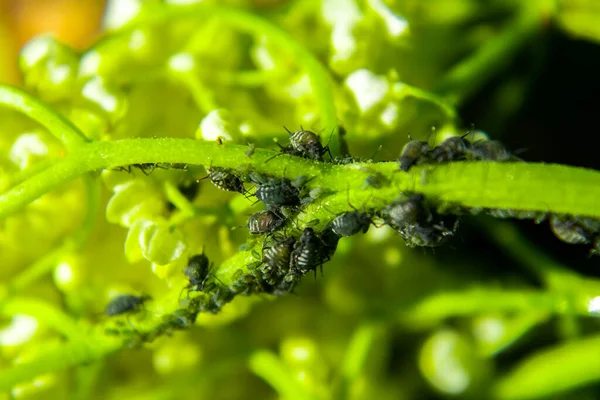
(197, 271)
(146, 168)
(278, 193)
(307, 144)
(414, 152)
(417, 224)
(276, 258)
(225, 180)
(490, 150)
(536, 216)
(452, 149)
(330, 240)
(573, 230)
(350, 223)
(125, 303)
(266, 221)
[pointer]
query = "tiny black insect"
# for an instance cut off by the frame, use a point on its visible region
(311, 251)
(197, 271)
(307, 144)
(536, 216)
(276, 258)
(146, 168)
(225, 180)
(278, 193)
(490, 150)
(571, 229)
(125, 303)
(414, 152)
(418, 225)
(452, 149)
(266, 221)
(352, 222)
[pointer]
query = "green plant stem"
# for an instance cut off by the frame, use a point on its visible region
(469, 75)
(59, 127)
(319, 77)
(526, 186)
(270, 368)
(44, 265)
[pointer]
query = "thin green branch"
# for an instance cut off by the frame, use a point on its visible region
(526, 186)
(57, 125)
(319, 77)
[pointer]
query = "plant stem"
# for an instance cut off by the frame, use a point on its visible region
(526, 186)
(59, 127)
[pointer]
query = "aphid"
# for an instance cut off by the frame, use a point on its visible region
(452, 149)
(570, 230)
(265, 221)
(278, 193)
(276, 258)
(417, 225)
(376, 180)
(536, 216)
(225, 180)
(414, 152)
(308, 254)
(197, 271)
(490, 150)
(330, 241)
(352, 222)
(125, 303)
(307, 144)
(146, 168)
(432, 235)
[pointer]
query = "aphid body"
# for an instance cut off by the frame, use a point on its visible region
(570, 230)
(307, 144)
(418, 225)
(278, 193)
(265, 221)
(225, 180)
(452, 149)
(276, 258)
(197, 271)
(414, 152)
(351, 223)
(125, 303)
(490, 150)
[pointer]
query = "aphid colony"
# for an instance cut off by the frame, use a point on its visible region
(456, 148)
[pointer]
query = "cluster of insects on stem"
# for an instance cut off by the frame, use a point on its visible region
(288, 252)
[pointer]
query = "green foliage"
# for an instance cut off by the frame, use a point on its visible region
(185, 88)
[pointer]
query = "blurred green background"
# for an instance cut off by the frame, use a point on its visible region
(505, 311)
